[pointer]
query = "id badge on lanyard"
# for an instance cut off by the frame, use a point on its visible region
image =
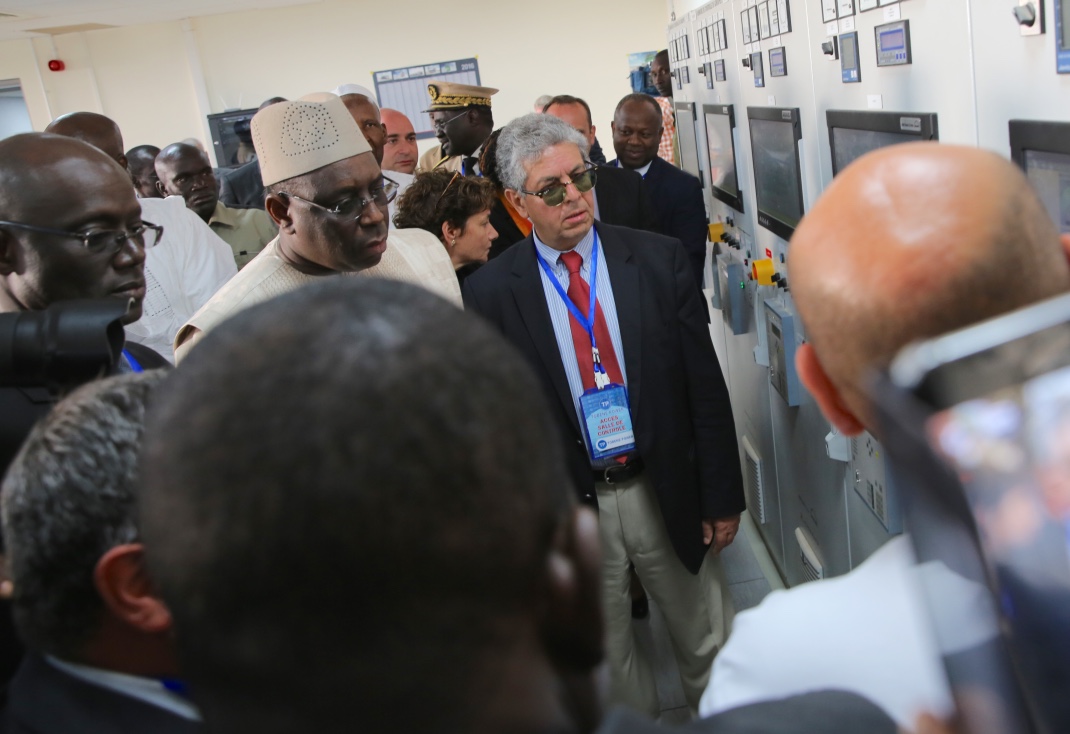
(607, 419)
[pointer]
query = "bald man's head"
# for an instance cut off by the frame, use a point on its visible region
(909, 242)
(65, 185)
(92, 128)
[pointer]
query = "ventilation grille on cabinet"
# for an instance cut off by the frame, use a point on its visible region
(754, 483)
(813, 568)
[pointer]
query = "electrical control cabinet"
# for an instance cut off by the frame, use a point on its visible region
(912, 62)
(780, 328)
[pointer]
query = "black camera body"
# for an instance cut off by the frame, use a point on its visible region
(46, 354)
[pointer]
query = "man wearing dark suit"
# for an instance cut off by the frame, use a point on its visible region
(676, 496)
(676, 195)
(100, 642)
(620, 197)
(242, 187)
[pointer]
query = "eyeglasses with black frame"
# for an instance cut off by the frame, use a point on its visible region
(103, 241)
(440, 124)
(354, 206)
(556, 193)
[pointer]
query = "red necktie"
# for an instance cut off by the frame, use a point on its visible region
(580, 294)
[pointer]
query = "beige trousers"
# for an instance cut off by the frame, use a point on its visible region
(697, 608)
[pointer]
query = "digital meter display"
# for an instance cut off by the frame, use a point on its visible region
(849, 58)
(778, 65)
(893, 40)
(893, 43)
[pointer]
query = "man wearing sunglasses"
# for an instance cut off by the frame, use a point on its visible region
(71, 229)
(611, 320)
(328, 196)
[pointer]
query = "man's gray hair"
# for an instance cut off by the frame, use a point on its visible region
(526, 138)
(68, 498)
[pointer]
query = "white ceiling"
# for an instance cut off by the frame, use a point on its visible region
(33, 16)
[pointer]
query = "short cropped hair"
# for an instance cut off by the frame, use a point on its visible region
(67, 499)
(638, 97)
(526, 138)
(443, 196)
(569, 99)
(348, 488)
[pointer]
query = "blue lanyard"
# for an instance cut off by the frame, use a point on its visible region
(134, 364)
(587, 322)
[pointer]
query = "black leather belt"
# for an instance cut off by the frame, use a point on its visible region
(619, 473)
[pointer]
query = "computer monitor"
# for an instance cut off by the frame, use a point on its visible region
(774, 137)
(1042, 150)
(688, 136)
(724, 181)
(853, 133)
(232, 137)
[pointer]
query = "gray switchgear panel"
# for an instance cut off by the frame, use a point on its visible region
(780, 330)
(733, 301)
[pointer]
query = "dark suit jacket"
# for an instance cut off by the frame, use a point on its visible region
(242, 187)
(680, 406)
(45, 700)
(679, 210)
(622, 200)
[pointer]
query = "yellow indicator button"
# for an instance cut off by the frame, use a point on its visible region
(716, 230)
(763, 271)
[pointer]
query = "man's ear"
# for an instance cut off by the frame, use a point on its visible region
(161, 189)
(516, 199)
(572, 627)
(279, 211)
(828, 398)
(124, 585)
(9, 254)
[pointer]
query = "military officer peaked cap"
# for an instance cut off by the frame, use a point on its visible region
(452, 96)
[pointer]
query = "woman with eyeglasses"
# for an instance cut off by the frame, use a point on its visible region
(454, 208)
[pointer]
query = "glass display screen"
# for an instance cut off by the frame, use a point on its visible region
(1050, 175)
(851, 144)
(776, 170)
(849, 52)
(893, 40)
(722, 155)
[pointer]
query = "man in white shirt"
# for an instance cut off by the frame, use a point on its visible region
(907, 243)
(329, 198)
(101, 657)
(187, 266)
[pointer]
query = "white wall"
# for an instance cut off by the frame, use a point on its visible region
(159, 81)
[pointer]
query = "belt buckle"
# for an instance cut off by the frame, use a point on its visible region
(605, 474)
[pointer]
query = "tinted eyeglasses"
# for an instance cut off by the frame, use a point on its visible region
(353, 207)
(556, 193)
(103, 241)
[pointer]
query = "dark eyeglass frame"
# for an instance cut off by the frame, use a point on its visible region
(556, 193)
(442, 125)
(389, 191)
(102, 244)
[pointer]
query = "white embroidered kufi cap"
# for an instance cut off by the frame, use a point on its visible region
(297, 137)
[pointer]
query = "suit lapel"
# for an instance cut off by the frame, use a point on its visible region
(624, 276)
(531, 303)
